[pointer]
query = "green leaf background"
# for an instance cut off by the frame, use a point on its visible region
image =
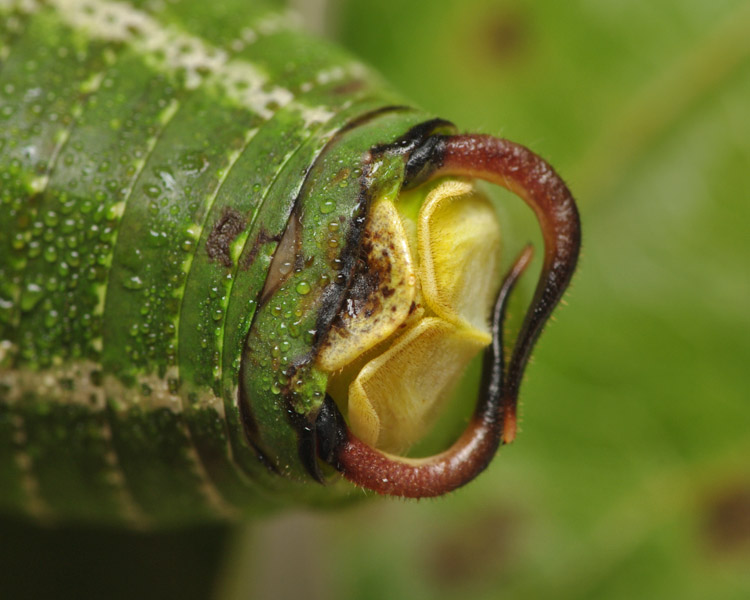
(630, 477)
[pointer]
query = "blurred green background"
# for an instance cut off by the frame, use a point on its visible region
(630, 477)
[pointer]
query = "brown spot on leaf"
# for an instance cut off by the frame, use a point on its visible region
(476, 549)
(727, 519)
(504, 35)
(349, 87)
(225, 230)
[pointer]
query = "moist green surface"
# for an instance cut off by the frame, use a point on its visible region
(150, 160)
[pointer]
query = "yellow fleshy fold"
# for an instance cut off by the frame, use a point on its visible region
(459, 242)
(415, 316)
(393, 400)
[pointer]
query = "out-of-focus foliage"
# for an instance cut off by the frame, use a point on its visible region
(631, 475)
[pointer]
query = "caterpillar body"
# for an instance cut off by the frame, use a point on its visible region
(228, 252)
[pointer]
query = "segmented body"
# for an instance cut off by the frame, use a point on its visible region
(151, 156)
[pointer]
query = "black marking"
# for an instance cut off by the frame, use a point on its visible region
(308, 442)
(331, 432)
(424, 161)
(250, 427)
(334, 295)
(369, 116)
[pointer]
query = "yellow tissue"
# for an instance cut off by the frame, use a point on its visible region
(396, 396)
(459, 243)
(416, 313)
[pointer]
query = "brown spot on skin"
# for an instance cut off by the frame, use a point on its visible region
(727, 520)
(366, 290)
(367, 282)
(225, 230)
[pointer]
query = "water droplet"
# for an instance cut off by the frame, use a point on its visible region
(285, 268)
(69, 226)
(327, 207)
(51, 219)
(152, 191)
(50, 319)
(303, 288)
(19, 241)
(133, 283)
(192, 161)
(30, 297)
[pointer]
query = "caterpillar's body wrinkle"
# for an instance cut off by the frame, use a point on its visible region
(183, 195)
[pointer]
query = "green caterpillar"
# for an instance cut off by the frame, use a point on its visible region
(235, 266)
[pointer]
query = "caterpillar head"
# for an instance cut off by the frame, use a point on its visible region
(411, 295)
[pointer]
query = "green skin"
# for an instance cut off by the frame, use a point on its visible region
(141, 205)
